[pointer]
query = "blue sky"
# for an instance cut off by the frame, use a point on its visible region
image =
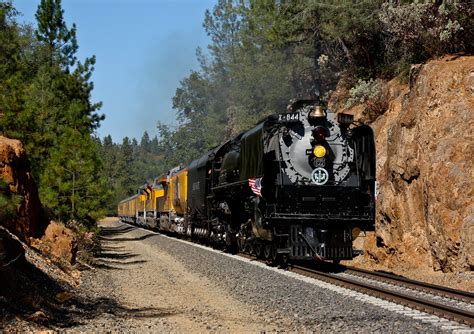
(143, 49)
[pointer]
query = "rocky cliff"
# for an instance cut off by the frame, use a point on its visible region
(29, 223)
(425, 159)
(14, 170)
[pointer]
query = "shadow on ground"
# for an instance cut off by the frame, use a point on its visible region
(113, 234)
(37, 292)
(143, 237)
(113, 255)
(79, 311)
(26, 290)
(116, 230)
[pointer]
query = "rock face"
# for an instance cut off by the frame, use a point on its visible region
(30, 224)
(425, 159)
(14, 169)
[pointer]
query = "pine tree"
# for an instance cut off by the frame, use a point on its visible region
(61, 42)
(72, 184)
(145, 142)
(125, 161)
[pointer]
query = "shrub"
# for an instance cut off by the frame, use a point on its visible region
(416, 32)
(378, 104)
(363, 91)
(88, 242)
(372, 93)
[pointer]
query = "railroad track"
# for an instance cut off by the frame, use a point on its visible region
(437, 300)
(401, 296)
(432, 289)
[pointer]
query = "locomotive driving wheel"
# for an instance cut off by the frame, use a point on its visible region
(249, 247)
(267, 251)
(271, 254)
(241, 244)
(258, 250)
(274, 256)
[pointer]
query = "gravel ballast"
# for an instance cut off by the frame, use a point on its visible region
(283, 300)
(148, 282)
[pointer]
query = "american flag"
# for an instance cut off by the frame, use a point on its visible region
(255, 185)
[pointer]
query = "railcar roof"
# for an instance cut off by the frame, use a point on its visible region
(128, 199)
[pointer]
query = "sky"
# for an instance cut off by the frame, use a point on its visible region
(143, 49)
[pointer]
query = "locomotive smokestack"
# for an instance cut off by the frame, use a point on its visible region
(317, 112)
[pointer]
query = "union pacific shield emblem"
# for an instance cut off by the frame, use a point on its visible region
(320, 176)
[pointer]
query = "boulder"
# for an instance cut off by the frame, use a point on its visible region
(58, 242)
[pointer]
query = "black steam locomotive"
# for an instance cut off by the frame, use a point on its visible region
(299, 185)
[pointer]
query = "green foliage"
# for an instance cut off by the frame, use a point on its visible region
(71, 183)
(8, 203)
(373, 94)
(45, 101)
(52, 31)
(415, 32)
(129, 165)
(364, 91)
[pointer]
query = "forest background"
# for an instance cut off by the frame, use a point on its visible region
(263, 54)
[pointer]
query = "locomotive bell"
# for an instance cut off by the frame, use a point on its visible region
(317, 112)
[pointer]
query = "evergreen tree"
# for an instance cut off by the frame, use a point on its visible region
(61, 42)
(155, 145)
(72, 184)
(125, 162)
(45, 99)
(145, 143)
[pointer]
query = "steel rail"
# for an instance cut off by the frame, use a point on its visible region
(442, 291)
(421, 304)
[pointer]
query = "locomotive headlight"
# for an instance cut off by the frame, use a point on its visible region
(319, 151)
(320, 133)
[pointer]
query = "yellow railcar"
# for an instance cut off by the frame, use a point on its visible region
(127, 209)
(146, 207)
(178, 185)
(161, 195)
(171, 199)
(162, 205)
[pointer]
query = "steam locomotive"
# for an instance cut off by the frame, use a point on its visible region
(298, 186)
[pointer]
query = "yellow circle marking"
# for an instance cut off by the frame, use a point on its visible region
(319, 151)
